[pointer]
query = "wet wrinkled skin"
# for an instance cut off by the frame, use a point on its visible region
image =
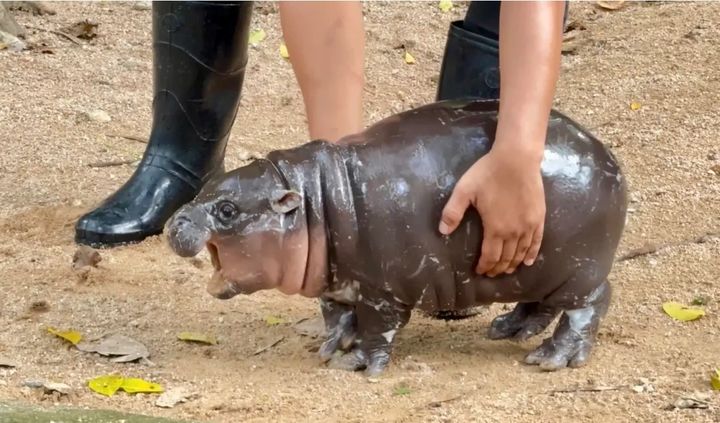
(355, 224)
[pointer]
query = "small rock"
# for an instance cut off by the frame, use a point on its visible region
(85, 256)
(173, 397)
(7, 362)
(713, 156)
(40, 306)
(373, 380)
(715, 169)
(644, 386)
(197, 263)
(249, 155)
(142, 5)
(11, 42)
(33, 384)
(689, 402)
(57, 387)
(96, 116)
(416, 366)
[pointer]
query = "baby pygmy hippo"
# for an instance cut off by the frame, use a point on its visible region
(355, 224)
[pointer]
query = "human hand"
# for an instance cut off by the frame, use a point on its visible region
(505, 187)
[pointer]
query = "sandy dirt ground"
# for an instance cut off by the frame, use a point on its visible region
(663, 55)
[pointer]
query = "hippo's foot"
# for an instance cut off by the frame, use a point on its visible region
(377, 321)
(340, 325)
(526, 320)
(573, 339)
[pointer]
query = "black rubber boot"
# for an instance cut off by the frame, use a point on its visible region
(470, 66)
(200, 54)
(471, 63)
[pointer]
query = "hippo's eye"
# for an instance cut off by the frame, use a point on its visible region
(227, 210)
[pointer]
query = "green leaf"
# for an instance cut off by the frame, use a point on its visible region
(197, 337)
(402, 389)
(256, 37)
(135, 385)
(106, 385)
(271, 320)
(70, 335)
(681, 312)
(284, 51)
(715, 380)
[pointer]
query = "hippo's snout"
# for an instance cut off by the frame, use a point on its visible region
(187, 231)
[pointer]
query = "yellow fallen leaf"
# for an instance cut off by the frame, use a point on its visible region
(70, 335)
(271, 320)
(409, 59)
(256, 36)
(445, 5)
(635, 106)
(106, 385)
(284, 51)
(134, 386)
(681, 312)
(611, 4)
(197, 337)
(715, 380)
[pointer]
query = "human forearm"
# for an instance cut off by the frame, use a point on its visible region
(530, 42)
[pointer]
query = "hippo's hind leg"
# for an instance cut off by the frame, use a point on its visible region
(379, 317)
(526, 320)
(573, 338)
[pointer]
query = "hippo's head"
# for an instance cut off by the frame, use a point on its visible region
(245, 219)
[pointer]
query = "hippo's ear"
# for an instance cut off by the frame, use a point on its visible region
(285, 201)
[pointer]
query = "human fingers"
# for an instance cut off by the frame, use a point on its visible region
(454, 210)
(490, 252)
(534, 249)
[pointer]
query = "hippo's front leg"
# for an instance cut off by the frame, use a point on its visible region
(379, 317)
(340, 325)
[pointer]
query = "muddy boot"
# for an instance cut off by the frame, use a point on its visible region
(200, 53)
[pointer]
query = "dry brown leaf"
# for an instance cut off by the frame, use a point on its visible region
(87, 29)
(124, 348)
(313, 328)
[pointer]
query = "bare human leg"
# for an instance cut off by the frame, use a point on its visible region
(326, 42)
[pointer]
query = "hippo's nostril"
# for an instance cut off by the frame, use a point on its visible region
(185, 237)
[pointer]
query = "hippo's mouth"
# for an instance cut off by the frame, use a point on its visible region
(214, 258)
(222, 286)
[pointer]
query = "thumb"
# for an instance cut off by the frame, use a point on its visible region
(454, 211)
